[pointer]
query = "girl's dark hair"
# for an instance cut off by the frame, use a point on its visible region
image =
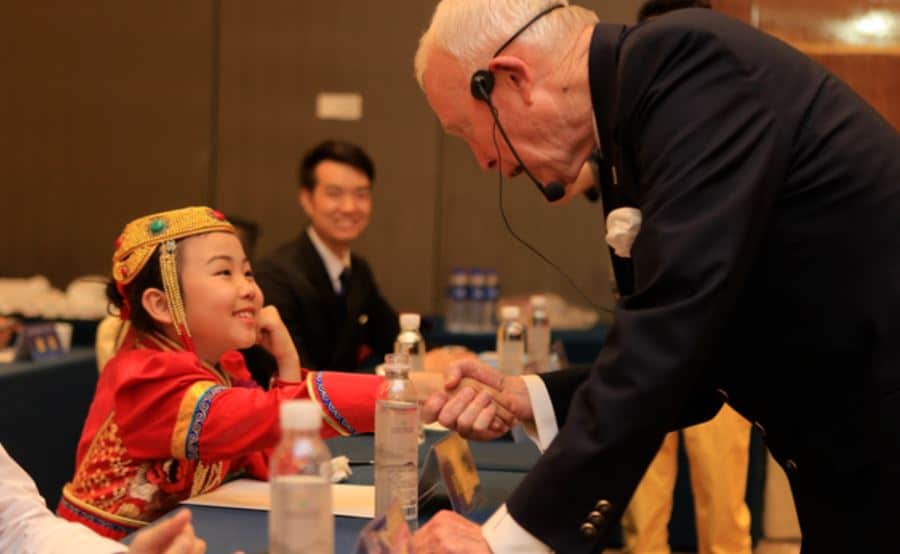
(148, 277)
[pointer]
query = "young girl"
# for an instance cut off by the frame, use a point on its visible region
(176, 411)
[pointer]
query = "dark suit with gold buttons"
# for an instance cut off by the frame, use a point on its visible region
(766, 275)
(348, 332)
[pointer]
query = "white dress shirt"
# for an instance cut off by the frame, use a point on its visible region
(28, 527)
(502, 533)
(333, 264)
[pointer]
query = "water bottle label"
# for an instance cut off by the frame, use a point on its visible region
(301, 517)
(478, 293)
(457, 293)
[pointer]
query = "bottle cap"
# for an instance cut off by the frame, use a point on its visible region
(300, 415)
(538, 300)
(509, 312)
(410, 322)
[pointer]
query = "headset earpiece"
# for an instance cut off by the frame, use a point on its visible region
(482, 85)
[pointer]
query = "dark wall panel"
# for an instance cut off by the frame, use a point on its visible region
(105, 110)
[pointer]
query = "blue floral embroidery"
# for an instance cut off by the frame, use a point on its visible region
(320, 386)
(201, 411)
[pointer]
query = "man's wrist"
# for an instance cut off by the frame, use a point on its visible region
(504, 535)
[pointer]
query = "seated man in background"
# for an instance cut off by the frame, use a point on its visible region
(326, 295)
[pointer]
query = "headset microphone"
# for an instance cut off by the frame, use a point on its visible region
(482, 84)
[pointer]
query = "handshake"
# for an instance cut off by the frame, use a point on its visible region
(473, 399)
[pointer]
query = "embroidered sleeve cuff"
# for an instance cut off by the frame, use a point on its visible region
(318, 391)
(544, 427)
(503, 534)
(192, 414)
(347, 400)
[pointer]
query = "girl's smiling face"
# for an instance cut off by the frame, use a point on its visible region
(221, 297)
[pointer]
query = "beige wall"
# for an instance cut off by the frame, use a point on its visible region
(114, 109)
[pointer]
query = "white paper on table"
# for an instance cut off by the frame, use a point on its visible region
(249, 494)
(434, 426)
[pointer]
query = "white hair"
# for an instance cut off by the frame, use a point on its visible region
(472, 30)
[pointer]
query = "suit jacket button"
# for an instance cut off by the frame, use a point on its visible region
(790, 466)
(596, 518)
(363, 319)
(723, 394)
(760, 428)
(588, 530)
(603, 506)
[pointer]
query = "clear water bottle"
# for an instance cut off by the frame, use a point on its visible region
(396, 441)
(301, 518)
(510, 342)
(457, 296)
(410, 341)
(491, 296)
(539, 335)
(475, 304)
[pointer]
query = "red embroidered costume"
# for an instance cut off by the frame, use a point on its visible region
(164, 427)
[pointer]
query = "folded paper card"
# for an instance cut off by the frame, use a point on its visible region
(249, 494)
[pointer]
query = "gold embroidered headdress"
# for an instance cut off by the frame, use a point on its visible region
(144, 235)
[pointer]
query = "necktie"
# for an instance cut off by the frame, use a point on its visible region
(344, 278)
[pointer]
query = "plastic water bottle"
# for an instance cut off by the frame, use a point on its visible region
(491, 296)
(539, 335)
(510, 342)
(476, 301)
(396, 442)
(410, 341)
(457, 296)
(301, 518)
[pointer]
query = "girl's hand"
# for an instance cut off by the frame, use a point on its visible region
(272, 335)
(426, 383)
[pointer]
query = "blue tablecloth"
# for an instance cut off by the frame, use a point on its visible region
(43, 406)
(228, 529)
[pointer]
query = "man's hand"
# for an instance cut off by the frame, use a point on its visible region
(174, 536)
(484, 403)
(449, 533)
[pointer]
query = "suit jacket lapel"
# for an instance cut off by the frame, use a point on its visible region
(603, 73)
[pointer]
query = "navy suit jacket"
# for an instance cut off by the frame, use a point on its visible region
(349, 333)
(766, 275)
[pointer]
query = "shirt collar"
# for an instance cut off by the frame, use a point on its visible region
(333, 264)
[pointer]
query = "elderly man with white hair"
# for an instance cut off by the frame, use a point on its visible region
(766, 270)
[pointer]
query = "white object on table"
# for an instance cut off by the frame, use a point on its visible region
(249, 494)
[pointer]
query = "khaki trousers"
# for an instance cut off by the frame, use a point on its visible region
(718, 454)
